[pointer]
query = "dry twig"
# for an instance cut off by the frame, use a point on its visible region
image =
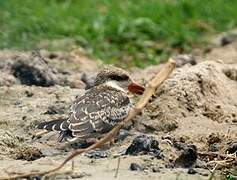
(224, 160)
(117, 169)
(212, 155)
(149, 91)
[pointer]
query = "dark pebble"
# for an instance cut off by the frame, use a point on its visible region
(155, 169)
(144, 144)
(192, 171)
(227, 39)
(80, 144)
(136, 167)
(34, 178)
(232, 148)
(17, 102)
(28, 93)
(96, 154)
(187, 155)
(53, 56)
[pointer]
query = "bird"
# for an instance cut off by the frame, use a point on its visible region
(101, 107)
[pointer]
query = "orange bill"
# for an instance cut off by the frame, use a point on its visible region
(135, 88)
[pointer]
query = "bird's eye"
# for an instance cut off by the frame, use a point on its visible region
(119, 77)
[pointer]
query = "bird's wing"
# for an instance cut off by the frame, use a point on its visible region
(97, 108)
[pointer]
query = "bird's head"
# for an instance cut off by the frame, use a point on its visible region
(119, 79)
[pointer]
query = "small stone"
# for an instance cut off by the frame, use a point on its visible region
(204, 173)
(79, 175)
(136, 167)
(227, 38)
(17, 102)
(53, 55)
(183, 59)
(155, 169)
(224, 39)
(80, 144)
(29, 93)
(232, 148)
(96, 154)
(192, 171)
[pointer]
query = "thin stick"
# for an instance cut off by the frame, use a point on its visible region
(73, 165)
(216, 154)
(117, 169)
(212, 172)
(149, 91)
(211, 175)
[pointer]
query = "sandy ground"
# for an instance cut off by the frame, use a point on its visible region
(193, 116)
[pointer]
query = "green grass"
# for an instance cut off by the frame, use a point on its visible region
(132, 32)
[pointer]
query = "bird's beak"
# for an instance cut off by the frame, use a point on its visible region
(135, 88)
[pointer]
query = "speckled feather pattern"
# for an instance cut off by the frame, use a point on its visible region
(98, 111)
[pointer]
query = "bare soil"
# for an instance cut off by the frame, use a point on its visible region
(193, 116)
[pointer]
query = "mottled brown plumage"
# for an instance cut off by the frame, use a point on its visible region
(100, 108)
(98, 112)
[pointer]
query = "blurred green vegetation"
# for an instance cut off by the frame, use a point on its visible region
(132, 32)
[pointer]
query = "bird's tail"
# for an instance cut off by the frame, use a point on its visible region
(55, 125)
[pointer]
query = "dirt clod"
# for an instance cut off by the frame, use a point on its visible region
(8, 140)
(144, 144)
(30, 71)
(187, 155)
(213, 138)
(27, 153)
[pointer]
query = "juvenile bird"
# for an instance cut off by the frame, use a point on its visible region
(100, 108)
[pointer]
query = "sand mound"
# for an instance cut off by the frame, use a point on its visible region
(207, 91)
